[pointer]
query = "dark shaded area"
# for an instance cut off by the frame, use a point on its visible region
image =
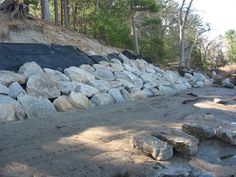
(12, 56)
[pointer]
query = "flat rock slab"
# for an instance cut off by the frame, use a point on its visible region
(151, 145)
(181, 141)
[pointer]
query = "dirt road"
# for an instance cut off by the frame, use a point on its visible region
(96, 142)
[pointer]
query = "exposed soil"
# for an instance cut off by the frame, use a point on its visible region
(96, 142)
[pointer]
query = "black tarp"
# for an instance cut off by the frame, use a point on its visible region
(13, 55)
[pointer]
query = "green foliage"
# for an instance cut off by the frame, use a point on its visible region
(231, 39)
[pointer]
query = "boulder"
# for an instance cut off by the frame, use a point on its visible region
(126, 95)
(63, 104)
(79, 101)
(227, 84)
(199, 76)
(10, 109)
(3, 90)
(8, 77)
(180, 141)
(158, 149)
(43, 86)
(123, 58)
(102, 99)
(30, 68)
(227, 134)
(148, 92)
(125, 83)
(65, 87)
(77, 74)
(85, 89)
(102, 85)
(104, 74)
(116, 67)
(87, 68)
(15, 89)
(36, 107)
(57, 75)
(116, 95)
(115, 84)
(198, 130)
(166, 90)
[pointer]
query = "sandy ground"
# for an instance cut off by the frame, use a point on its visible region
(96, 142)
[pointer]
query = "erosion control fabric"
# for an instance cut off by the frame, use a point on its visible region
(13, 55)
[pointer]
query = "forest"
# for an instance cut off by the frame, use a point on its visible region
(167, 32)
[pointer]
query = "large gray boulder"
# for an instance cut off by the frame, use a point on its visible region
(36, 107)
(8, 77)
(10, 109)
(3, 90)
(43, 86)
(180, 141)
(227, 134)
(102, 99)
(116, 95)
(79, 101)
(15, 89)
(102, 85)
(30, 68)
(57, 75)
(227, 84)
(77, 74)
(63, 104)
(87, 68)
(85, 89)
(65, 87)
(104, 74)
(158, 149)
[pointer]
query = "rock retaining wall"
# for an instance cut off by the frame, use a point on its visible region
(35, 92)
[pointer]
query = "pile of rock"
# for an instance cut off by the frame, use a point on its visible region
(35, 92)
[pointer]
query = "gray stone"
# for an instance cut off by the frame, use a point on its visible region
(115, 67)
(102, 85)
(126, 83)
(199, 76)
(30, 68)
(57, 75)
(198, 130)
(3, 90)
(115, 84)
(104, 74)
(62, 104)
(87, 68)
(15, 89)
(36, 107)
(227, 134)
(227, 84)
(147, 92)
(115, 93)
(43, 86)
(102, 99)
(166, 90)
(137, 94)
(10, 109)
(77, 74)
(85, 89)
(8, 77)
(127, 96)
(147, 77)
(158, 149)
(180, 141)
(65, 87)
(123, 58)
(79, 101)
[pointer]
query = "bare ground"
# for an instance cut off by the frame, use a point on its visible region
(96, 142)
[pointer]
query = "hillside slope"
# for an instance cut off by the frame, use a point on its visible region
(28, 31)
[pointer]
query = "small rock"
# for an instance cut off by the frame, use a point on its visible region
(219, 101)
(8, 77)
(77, 74)
(115, 93)
(102, 99)
(227, 84)
(15, 89)
(85, 89)
(62, 104)
(148, 144)
(102, 85)
(30, 68)
(79, 101)
(199, 131)
(227, 134)
(181, 142)
(36, 107)
(3, 90)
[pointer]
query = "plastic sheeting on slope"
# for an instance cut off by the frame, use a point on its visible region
(13, 55)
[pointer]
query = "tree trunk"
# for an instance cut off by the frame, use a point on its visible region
(42, 9)
(46, 10)
(56, 12)
(190, 53)
(135, 35)
(66, 21)
(62, 13)
(75, 18)
(182, 46)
